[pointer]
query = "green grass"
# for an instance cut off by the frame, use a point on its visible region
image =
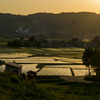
(45, 88)
(70, 90)
(17, 88)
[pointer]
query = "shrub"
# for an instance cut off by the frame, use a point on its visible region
(14, 79)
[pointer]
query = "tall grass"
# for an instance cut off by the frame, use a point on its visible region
(45, 88)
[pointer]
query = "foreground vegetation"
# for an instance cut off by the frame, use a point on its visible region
(45, 88)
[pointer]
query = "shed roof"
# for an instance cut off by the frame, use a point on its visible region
(13, 64)
(30, 72)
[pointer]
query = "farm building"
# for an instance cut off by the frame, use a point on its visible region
(13, 68)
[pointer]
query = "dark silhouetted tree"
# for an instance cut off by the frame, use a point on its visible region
(17, 43)
(87, 54)
(31, 39)
(95, 60)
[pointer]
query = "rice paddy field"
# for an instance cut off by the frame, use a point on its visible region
(53, 80)
(54, 66)
(57, 52)
(29, 57)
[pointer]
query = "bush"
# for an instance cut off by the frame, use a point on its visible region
(14, 79)
(15, 43)
(92, 78)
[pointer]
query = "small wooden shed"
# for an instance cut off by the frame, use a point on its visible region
(31, 74)
(13, 68)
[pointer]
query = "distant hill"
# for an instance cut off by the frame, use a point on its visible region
(63, 25)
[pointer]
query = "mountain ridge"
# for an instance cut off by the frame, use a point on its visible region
(64, 25)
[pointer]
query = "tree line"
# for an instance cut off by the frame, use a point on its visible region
(44, 43)
(40, 42)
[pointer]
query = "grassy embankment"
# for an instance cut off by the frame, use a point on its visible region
(45, 88)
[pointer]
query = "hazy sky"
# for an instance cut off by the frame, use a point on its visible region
(25, 7)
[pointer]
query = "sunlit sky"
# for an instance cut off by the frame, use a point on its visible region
(25, 7)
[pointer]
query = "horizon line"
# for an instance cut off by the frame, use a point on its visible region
(50, 13)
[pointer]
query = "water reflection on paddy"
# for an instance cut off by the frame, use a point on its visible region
(55, 71)
(34, 61)
(27, 67)
(14, 55)
(83, 72)
(67, 66)
(79, 70)
(44, 60)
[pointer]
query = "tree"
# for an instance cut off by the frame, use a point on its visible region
(75, 41)
(87, 54)
(96, 41)
(95, 60)
(31, 39)
(95, 63)
(9, 43)
(15, 43)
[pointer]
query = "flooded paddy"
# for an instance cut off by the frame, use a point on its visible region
(66, 66)
(34, 61)
(44, 60)
(83, 72)
(55, 71)
(60, 70)
(60, 66)
(13, 55)
(27, 67)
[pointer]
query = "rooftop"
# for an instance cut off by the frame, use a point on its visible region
(13, 64)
